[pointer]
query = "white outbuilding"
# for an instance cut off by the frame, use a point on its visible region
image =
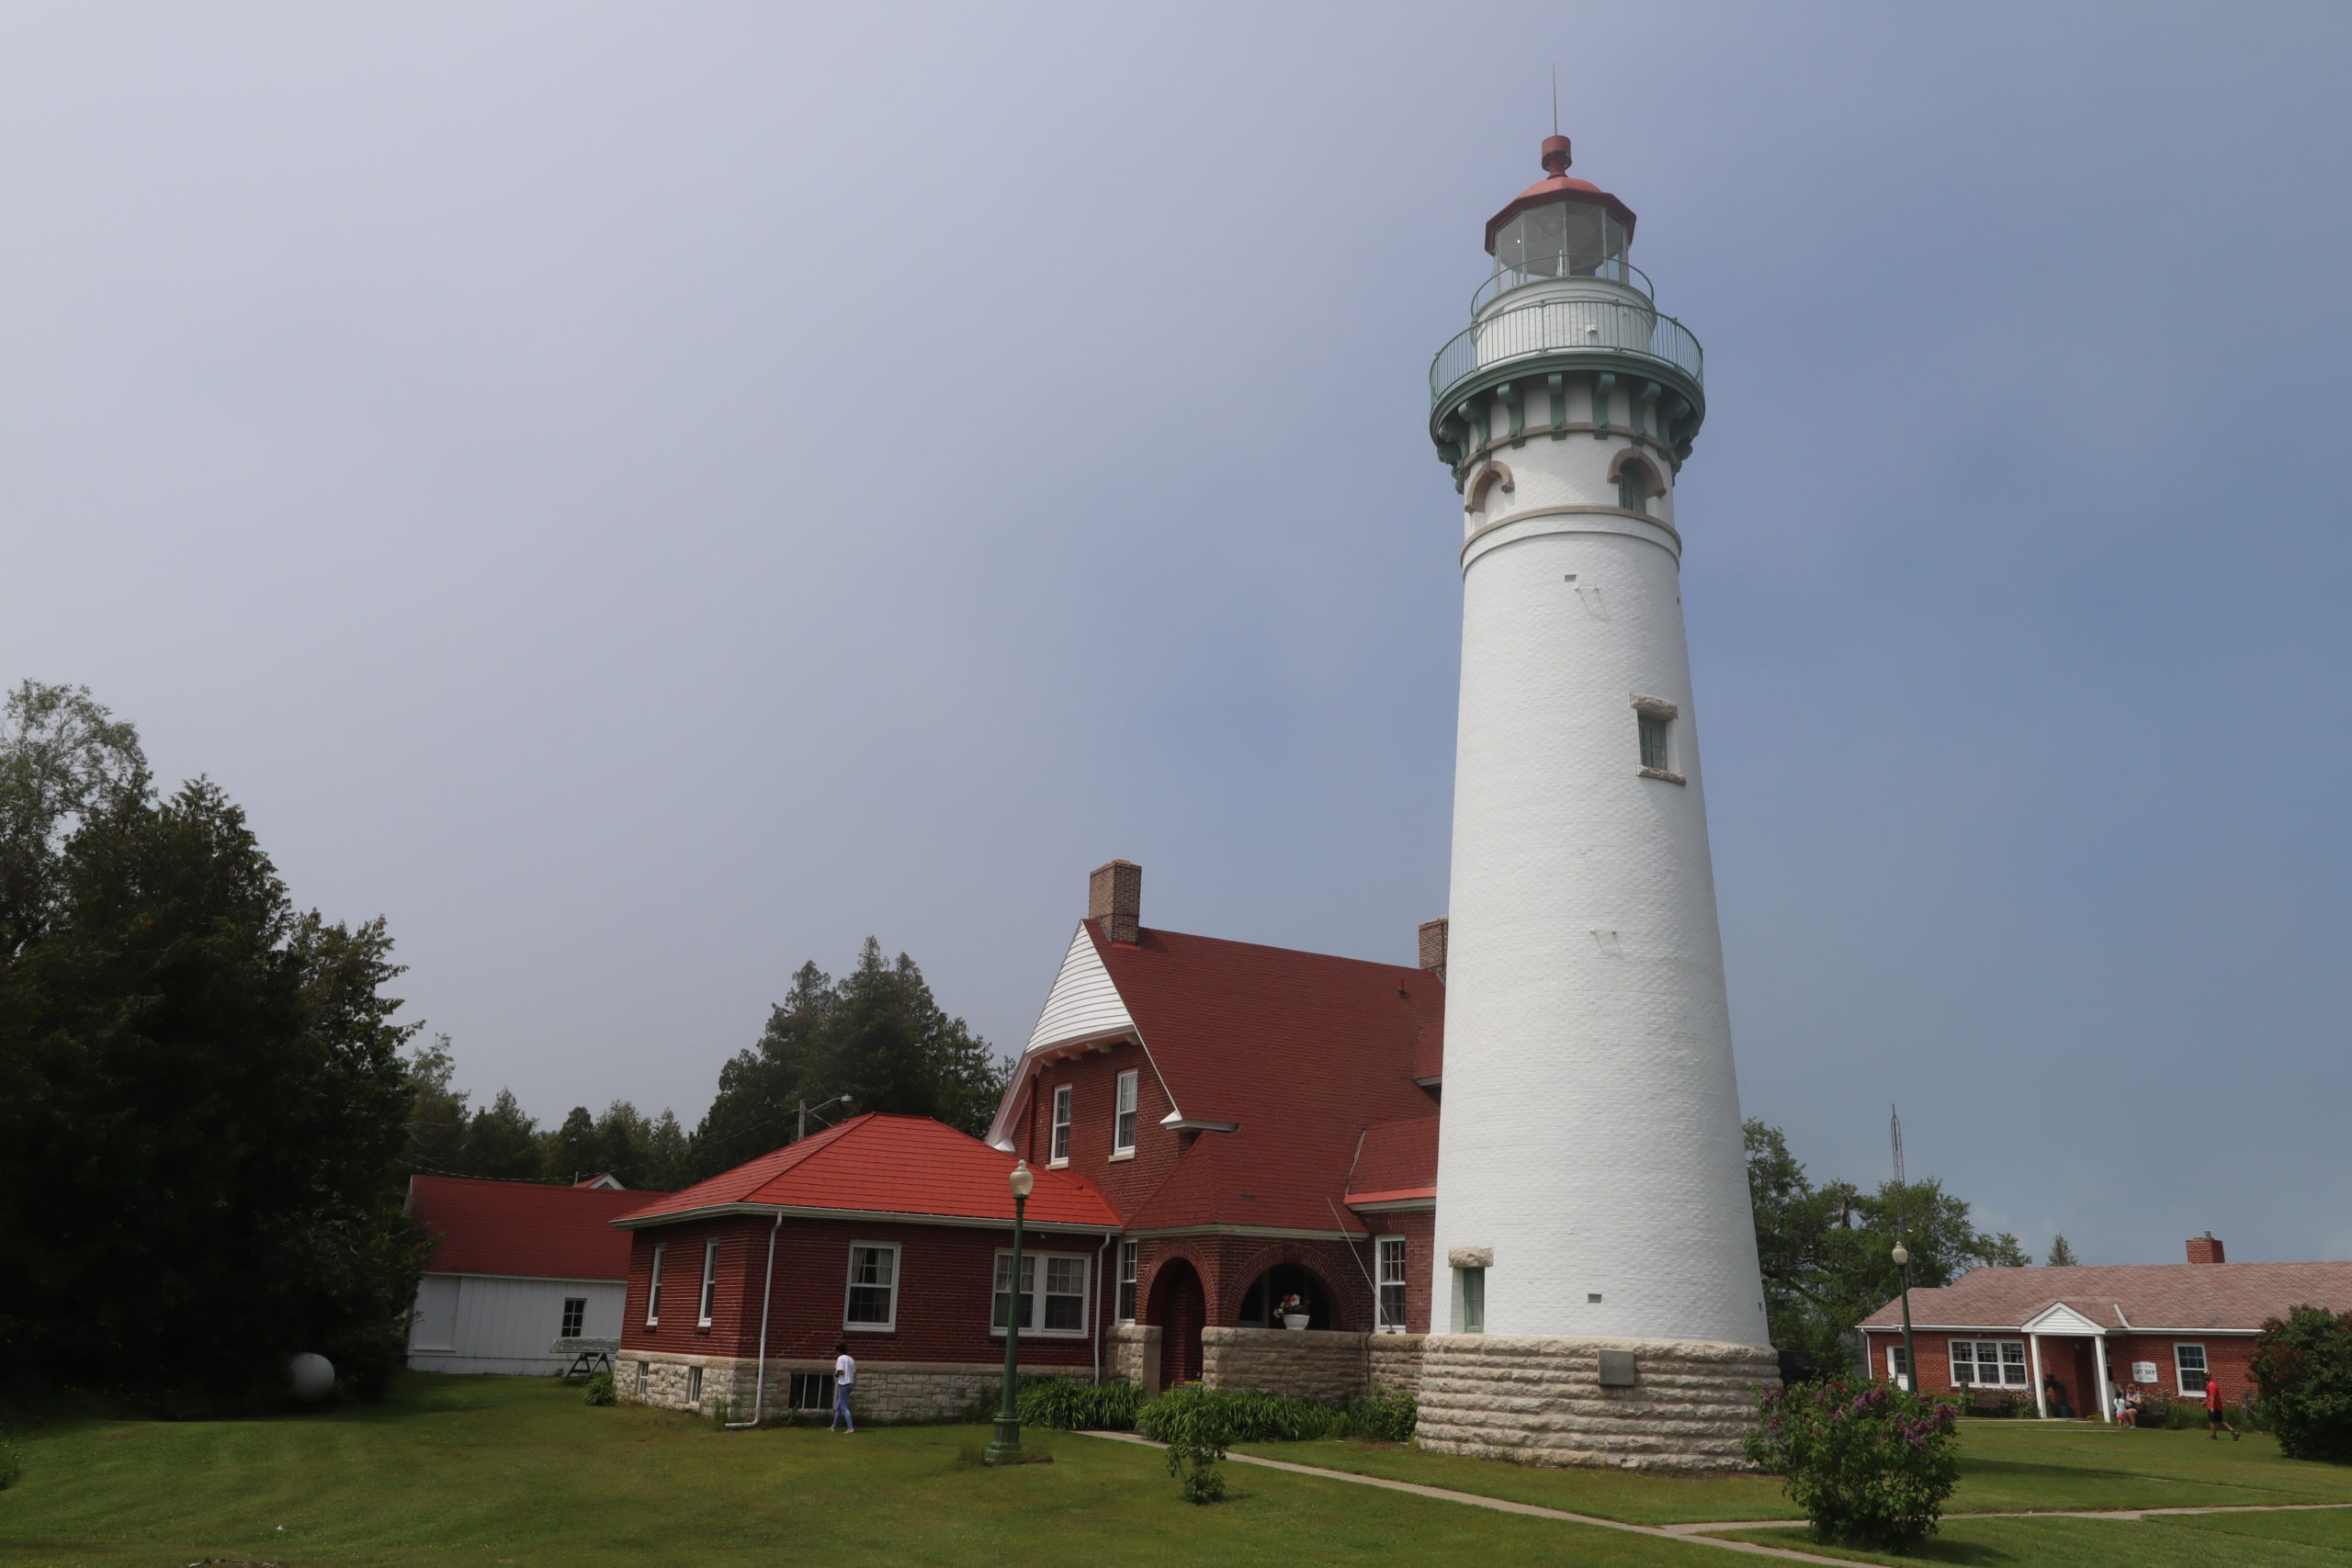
(524, 1275)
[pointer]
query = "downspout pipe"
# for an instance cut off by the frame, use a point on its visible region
(767, 1297)
(1101, 1280)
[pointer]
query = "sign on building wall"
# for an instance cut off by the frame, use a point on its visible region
(2143, 1372)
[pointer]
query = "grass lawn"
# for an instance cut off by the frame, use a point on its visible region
(2005, 1466)
(2265, 1540)
(510, 1472)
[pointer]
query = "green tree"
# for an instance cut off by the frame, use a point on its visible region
(62, 757)
(2302, 1365)
(1824, 1251)
(573, 1150)
(436, 1123)
(203, 1109)
(501, 1142)
(876, 1034)
(669, 1155)
(2061, 1255)
(621, 1137)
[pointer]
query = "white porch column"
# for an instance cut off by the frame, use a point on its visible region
(2098, 1374)
(2041, 1394)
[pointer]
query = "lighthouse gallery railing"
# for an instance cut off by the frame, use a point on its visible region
(1551, 324)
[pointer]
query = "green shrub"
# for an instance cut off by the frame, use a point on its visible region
(2302, 1366)
(1197, 1425)
(12, 1462)
(599, 1390)
(1079, 1407)
(1869, 1463)
(1383, 1417)
(1252, 1415)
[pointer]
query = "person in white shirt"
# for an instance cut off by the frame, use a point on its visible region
(844, 1378)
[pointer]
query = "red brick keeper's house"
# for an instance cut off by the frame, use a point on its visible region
(1215, 1126)
(2160, 1328)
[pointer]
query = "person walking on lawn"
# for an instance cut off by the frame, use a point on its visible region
(2216, 1419)
(844, 1378)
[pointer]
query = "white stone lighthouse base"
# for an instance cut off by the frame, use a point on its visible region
(1537, 1400)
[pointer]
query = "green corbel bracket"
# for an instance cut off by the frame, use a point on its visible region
(1509, 392)
(1557, 385)
(1644, 407)
(1602, 385)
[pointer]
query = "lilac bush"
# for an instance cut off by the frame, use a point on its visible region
(1869, 1463)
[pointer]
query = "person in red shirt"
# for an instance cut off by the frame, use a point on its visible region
(2216, 1422)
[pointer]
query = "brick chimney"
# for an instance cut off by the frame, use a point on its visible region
(2206, 1249)
(1115, 897)
(1433, 947)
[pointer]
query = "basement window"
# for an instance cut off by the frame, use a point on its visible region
(694, 1385)
(1060, 1144)
(811, 1390)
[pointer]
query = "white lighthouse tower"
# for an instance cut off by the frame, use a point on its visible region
(1596, 1253)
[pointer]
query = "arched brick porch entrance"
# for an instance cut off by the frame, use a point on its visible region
(1180, 1307)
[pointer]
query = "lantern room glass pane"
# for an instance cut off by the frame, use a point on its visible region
(1562, 239)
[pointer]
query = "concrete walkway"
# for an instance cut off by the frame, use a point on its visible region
(1703, 1533)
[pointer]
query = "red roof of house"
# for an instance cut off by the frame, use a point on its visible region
(1302, 1051)
(1399, 1160)
(523, 1228)
(876, 1164)
(2220, 1298)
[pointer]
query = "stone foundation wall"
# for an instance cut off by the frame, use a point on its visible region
(1396, 1363)
(1131, 1353)
(887, 1392)
(1539, 1400)
(1309, 1363)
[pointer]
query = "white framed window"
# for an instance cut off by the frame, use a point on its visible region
(653, 1294)
(1389, 1257)
(640, 1382)
(1471, 1284)
(1123, 1120)
(1128, 1282)
(575, 1317)
(1059, 1147)
(1059, 1308)
(694, 1385)
(1989, 1363)
(2188, 1364)
(873, 1303)
(709, 1283)
(1898, 1367)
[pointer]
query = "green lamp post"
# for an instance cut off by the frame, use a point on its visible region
(1007, 1443)
(1902, 1255)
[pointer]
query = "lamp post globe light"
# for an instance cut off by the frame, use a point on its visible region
(1902, 1255)
(1007, 1442)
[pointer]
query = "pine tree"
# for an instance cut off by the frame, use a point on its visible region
(570, 1153)
(501, 1142)
(436, 1126)
(2061, 1255)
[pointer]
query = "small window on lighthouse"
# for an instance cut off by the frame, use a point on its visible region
(1656, 752)
(1634, 487)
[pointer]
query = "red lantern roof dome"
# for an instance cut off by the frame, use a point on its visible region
(1556, 186)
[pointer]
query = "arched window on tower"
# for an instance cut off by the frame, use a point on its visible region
(1634, 487)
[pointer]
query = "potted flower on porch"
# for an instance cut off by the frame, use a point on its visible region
(1293, 1310)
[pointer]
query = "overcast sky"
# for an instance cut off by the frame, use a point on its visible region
(642, 496)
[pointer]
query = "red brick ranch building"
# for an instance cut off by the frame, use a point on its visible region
(2163, 1328)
